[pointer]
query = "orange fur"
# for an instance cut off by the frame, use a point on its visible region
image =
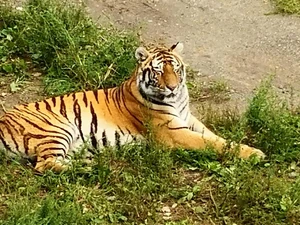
(51, 128)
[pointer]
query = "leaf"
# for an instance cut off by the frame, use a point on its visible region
(14, 87)
(8, 68)
(9, 37)
(123, 218)
(36, 56)
(4, 58)
(199, 209)
(189, 196)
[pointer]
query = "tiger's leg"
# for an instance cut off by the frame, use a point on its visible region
(53, 158)
(201, 137)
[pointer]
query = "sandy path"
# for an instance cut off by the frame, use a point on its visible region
(236, 41)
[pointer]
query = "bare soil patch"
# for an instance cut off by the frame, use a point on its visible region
(237, 41)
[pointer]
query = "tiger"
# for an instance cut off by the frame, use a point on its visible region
(49, 130)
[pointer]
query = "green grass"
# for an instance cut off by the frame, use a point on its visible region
(287, 6)
(133, 184)
(139, 184)
(58, 39)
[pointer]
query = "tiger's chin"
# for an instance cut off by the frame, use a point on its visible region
(172, 95)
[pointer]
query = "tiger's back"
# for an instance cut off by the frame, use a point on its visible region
(65, 122)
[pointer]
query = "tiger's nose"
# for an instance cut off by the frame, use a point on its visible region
(171, 87)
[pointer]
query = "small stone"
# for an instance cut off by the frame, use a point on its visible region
(36, 74)
(167, 214)
(293, 175)
(167, 217)
(165, 209)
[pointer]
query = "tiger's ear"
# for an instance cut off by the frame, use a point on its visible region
(141, 54)
(178, 47)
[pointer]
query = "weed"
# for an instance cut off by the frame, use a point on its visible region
(72, 51)
(287, 6)
(276, 129)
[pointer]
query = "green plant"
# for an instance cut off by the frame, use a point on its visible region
(60, 40)
(287, 6)
(275, 128)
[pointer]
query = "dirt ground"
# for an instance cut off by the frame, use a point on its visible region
(236, 42)
(239, 42)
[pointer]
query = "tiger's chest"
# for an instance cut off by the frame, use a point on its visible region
(181, 104)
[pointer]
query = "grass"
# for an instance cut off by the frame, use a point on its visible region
(142, 183)
(287, 6)
(59, 40)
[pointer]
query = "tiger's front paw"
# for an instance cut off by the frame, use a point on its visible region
(247, 151)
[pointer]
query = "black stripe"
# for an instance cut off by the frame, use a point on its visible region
(128, 131)
(48, 107)
(118, 139)
(53, 99)
(28, 136)
(113, 95)
(107, 99)
(143, 94)
(122, 132)
(178, 128)
(184, 107)
(184, 101)
(123, 99)
(77, 119)
(104, 139)
(118, 96)
(159, 56)
(7, 147)
(21, 129)
(106, 94)
(85, 99)
(52, 149)
(145, 71)
(11, 116)
(12, 137)
(94, 141)
(107, 105)
(192, 127)
(94, 122)
(73, 96)
(37, 106)
(96, 95)
(63, 107)
(132, 136)
(186, 116)
(43, 115)
(48, 122)
(94, 127)
(9, 123)
(52, 154)
(165, 112)
(92, 151)
(40, 128)
(51, 142)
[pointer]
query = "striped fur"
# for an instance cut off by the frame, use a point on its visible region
(49, 130)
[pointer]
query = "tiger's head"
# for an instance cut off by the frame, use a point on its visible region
(161, 73)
